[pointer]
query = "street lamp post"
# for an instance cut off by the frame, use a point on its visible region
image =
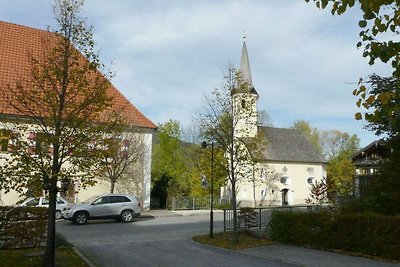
(204, 145)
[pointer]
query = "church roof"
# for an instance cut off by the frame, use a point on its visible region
(17, 43)
(245, 71)
(245, 65)
(289, 145)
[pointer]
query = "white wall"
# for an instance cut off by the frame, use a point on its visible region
(269, 192)
(12, 197)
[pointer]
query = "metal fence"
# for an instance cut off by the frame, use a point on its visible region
(196, 203)
(262, 216)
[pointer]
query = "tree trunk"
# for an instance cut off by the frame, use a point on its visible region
(49, 254)
(254, 187)
(235, 238)
(112, 186)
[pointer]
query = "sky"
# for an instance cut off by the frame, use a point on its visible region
(168, 56)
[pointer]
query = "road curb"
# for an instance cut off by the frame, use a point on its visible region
(83, 257)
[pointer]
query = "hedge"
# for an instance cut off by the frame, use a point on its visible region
(22, 227)
(368, 234)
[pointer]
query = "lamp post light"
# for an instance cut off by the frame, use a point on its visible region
(49, 185)
(65, 183)
(204, 145)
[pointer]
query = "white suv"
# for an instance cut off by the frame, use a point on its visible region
(110, 206)
(61, 204)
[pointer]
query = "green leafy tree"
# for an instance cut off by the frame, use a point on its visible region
(338, 144)
(380, 97)
(340, 173)
(65, 102)
(383, 192)
(380, 18)
(201, 158)
(312, 134)
(381, 101)
(168, 166)
(220, 124)
(340, 147)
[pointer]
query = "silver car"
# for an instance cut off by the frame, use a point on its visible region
(122, 207)
(61, 204)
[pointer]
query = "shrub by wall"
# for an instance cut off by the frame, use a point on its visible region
(369, 234)
(248, 216)
(22, 227)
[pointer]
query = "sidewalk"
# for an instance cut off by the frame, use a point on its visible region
(170, 213)
(289, 254)
(313, 257)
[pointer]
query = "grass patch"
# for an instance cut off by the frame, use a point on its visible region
(65, 256)
(224, 240)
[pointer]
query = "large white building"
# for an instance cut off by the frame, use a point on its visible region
(17, 44)
(290, 162)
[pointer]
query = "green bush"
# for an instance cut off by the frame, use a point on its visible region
(248, 216)
(369, 234)
(22, 227)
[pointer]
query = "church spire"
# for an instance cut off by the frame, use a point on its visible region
(245, 64)
(244, 69)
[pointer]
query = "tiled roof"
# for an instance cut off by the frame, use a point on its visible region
(17, 43)
(289, 145)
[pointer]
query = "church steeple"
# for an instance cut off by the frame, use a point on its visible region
(244, 69)
(245, 65)
(245, 99)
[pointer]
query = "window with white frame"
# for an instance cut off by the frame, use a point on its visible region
(285, 179)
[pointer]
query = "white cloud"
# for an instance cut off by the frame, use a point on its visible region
(169, 54)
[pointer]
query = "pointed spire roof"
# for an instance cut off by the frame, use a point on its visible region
(245, 65)
(244, 69)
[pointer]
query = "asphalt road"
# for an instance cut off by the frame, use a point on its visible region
(155, 241)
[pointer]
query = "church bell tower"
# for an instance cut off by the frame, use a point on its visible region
(245, 98)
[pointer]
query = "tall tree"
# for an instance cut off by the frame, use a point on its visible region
(335, 144)
(311, 133)
(339, 147)
(123, 153)
(222, 123)
(168, 162)
(65, 102)
(381, 101)
(380, 97)
(264, 119)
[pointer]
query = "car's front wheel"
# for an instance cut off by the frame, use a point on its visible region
(58, 214)
(81, 217)
(127, 216)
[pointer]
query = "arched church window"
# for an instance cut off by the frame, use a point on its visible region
(243, 103)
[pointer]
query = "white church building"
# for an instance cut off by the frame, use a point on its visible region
(290, 163)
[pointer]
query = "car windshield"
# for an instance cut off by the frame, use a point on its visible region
(90, 200)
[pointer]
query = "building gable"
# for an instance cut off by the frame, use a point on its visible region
(18, 43)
